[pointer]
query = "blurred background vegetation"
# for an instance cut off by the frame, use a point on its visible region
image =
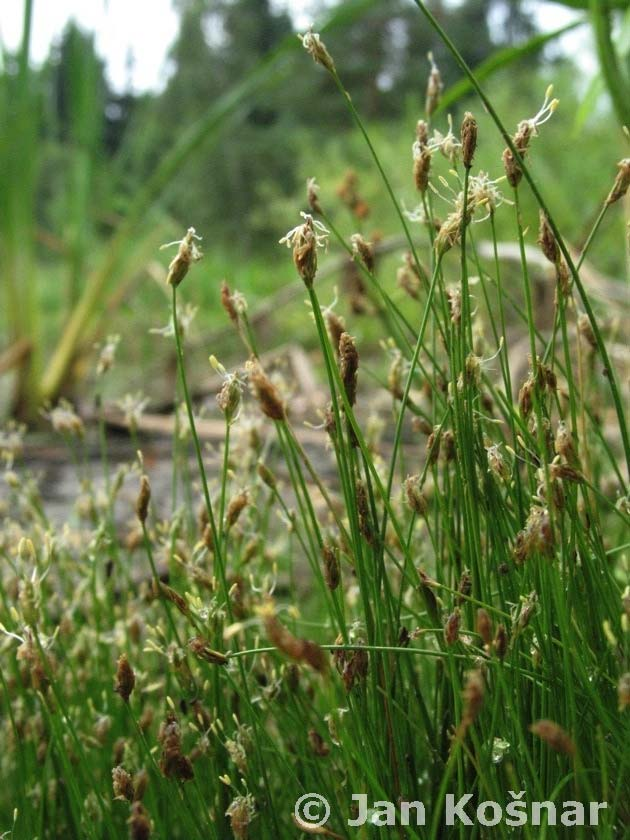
(93, 180)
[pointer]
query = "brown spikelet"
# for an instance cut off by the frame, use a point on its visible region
(622, 182)
(235, 507)
(422, 133)
(554, 735)
(332, 571)
(564, 472)
(319, 747)
(265, 475)
(201, 648)
(348, 366)
(336, 326)
(125, 678)
(513, 171)
(454, 295)
(187, 254)
(208, 538)
(173, 763)
(547, 240)
(353, 665)
(139, 822)
(300, 650)
(312, 195)
(122, 784)
(316, 48)
(468, 138)
(144, 497)
(484, 626)
(364, 250)
(500, 642)
(169, 594)
(472, 695)
(266, 392)
(525, 397)
(585, 331)
(433, 447)
(447, 446)
(363, 512)
(421, 169)
(451, 628)
(464, 587)
(563, 443)
(434, 88)
(227, 302)
(416, 499)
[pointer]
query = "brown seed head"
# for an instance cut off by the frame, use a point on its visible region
(421, 168)
(434, 88)
(336, 326)
(416, 499)
(454, 294)
(585, 331)
(348, 366)
(227, 302)
(122, 784)
(484, 626)
(229, 397)
(451, 628)
(169, 594)
(236, 506)
(265, 392)
(139, 823)
(547, 240)
(319, 747)
(266, 476)
(144, 497)
(500, 642)
(473, 694)
(468, 138)
(554, 735)
(364, 250)
(201, 648)
(363, 511)
(433, 446)
(300, 650)
(464, 587)
(315, 47)
(422, 133)
(332, 570)
(312, 195)
(125, 678)
(187, 254)
(622, 182)
(173, 763)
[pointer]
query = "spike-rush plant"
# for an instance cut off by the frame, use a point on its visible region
(421, 628)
